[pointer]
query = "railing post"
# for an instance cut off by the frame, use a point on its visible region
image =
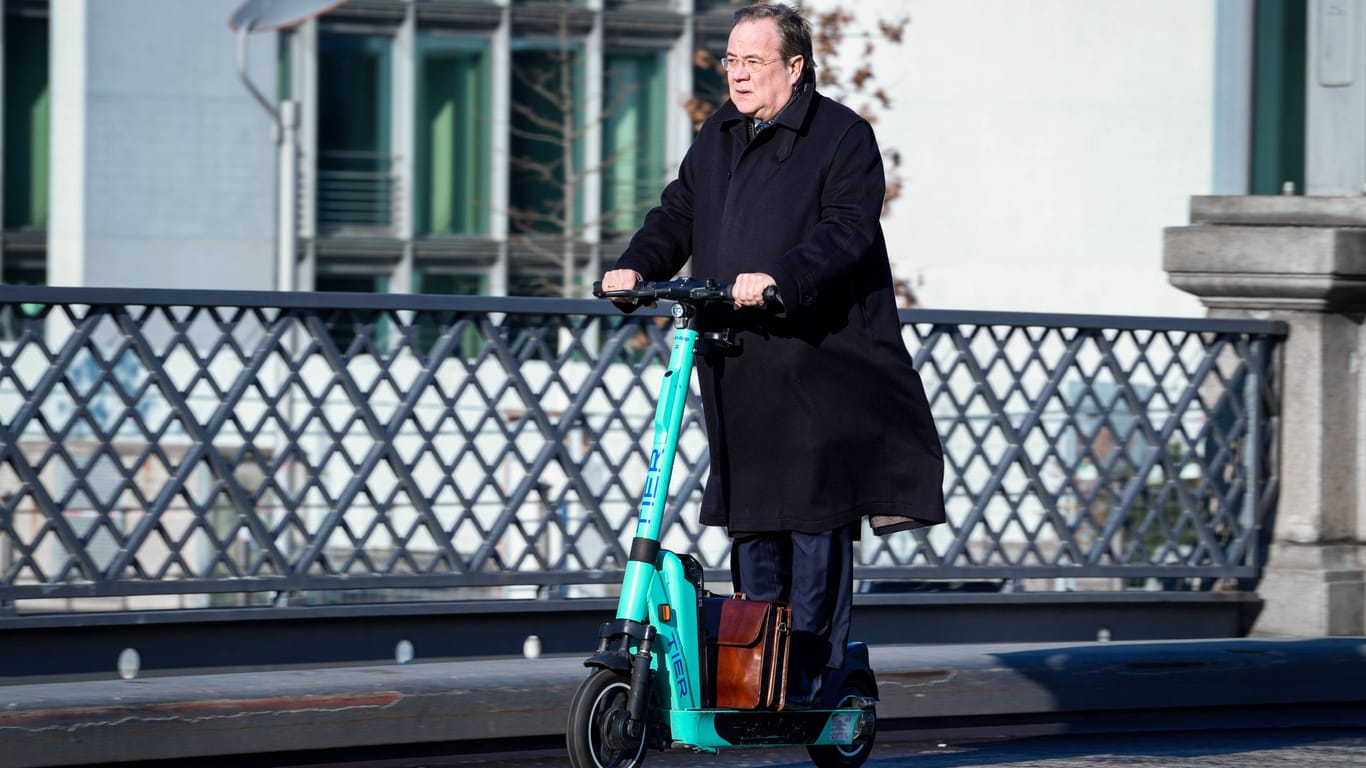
(1301, 260)
(1257, 430)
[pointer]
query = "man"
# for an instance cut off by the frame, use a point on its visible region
(819, 420)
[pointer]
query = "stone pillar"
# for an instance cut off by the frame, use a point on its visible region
(1301, 260)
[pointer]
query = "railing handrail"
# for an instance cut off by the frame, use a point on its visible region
(536, 305)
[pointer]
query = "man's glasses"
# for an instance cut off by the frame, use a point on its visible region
(747, 64)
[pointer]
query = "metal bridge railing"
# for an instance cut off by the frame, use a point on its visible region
(174, 448)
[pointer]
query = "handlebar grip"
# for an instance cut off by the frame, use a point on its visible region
(642, 291)
(770, 295)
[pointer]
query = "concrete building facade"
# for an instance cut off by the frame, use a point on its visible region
(429, 144)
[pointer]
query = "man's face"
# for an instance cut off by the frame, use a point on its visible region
(760, 92)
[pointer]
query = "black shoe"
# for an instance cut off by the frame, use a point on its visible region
(805, 699)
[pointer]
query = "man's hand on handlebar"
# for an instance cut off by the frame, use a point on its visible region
(622, 280)
(748, 290)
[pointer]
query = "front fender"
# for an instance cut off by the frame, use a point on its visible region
(617, 661)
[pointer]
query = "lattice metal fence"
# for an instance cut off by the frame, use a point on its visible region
(160, 443)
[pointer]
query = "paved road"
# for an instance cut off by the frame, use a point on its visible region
(1262, 748)
(952, 694)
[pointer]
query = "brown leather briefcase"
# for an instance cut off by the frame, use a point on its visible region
(747, 645)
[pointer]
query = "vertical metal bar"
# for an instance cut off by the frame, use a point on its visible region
(1252, 446)
(1253, 449)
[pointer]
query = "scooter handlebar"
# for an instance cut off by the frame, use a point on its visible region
(683, 289)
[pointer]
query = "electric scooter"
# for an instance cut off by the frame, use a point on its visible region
(649, 674)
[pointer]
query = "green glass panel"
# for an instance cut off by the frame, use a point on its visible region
(355, 167)
(1278, 94)
(545, 88)
(449, 283)
(27, 116)
(354, 93)
(633, 137)
(23, 276)
(452, 139)
(353, 283)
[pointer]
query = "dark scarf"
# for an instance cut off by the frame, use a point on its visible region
(755, 126)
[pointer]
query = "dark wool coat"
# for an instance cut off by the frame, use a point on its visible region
(820, 418)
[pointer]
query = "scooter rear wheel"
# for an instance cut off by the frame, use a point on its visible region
(849, 755)
(600, 700)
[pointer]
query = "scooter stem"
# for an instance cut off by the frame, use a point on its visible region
(673, 398)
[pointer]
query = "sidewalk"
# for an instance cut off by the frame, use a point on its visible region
(145, 719)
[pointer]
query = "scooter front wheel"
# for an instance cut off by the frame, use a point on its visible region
(598, 707)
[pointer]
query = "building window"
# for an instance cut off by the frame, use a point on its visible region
(452, 165)
(23, 274)
(545, 143)
(449, 283)
(633, 136)
(356, 174)
(353, 283)
(1280, 45)
(27, 120)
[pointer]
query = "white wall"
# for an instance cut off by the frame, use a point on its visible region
(1045, 146)
(163, 165)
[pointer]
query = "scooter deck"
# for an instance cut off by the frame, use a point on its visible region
(708, 729)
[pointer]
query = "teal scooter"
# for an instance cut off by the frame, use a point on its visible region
(648, 683)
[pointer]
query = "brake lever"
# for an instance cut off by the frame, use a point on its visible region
(643, 292)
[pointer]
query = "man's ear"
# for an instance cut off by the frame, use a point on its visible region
(794, 69)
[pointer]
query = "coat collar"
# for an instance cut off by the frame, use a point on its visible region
(793, 116)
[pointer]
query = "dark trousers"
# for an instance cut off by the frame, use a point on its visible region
(814, 574)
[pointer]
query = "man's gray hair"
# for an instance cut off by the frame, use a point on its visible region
(794, 32)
